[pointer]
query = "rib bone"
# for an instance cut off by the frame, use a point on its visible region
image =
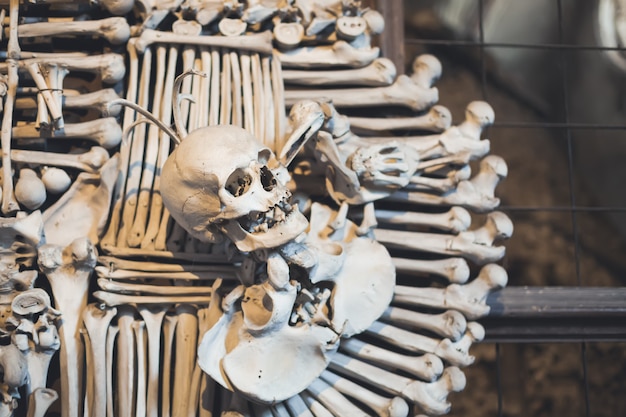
(403, 92)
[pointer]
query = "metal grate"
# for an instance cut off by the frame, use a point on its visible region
(573, 316)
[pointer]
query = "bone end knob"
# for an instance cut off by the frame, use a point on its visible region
(30, 191)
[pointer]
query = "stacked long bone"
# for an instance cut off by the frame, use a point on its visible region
(144, 307)
(58, 134)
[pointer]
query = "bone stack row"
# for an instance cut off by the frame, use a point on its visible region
(56, 122)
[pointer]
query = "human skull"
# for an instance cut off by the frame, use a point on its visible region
(221, 178)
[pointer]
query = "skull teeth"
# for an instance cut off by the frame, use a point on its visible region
(259, 221)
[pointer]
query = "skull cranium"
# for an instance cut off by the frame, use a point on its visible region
(221, 179)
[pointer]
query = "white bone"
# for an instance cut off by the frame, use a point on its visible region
(379, 73)
(199, 383)
(440, 243)
(278, 95)
(476, 194)
(98, 100)
(350, 27)
(125, 363)
(248, 100)
(139, 328)
(413, 342)
(315, 406)
(260, 42)
(429, 396)
(450, 324)
(269, 135)
(90, 161)
(207, 263)
(55, 180)
(478, 115)
(138, 229)
(469, 299)
(153, 318)
(39, 402)
(288, 35)
(68, 270)
(139, 289)
(297, 407)
(232, 27)
(113, 29)
(39, 333)
(259, 99)
(455, 220)
(110, 67)
(158, 215)
(202, 275)
(112, 332)
(9, 204)
(339, 54)
(54, 79)
(30, 191)
(214, 97)
(441, 185)
(333, 400)
(205, 86)
(426, 70)
(455, 270)
(382, 406)
(97, 321)
(225, 88)
(237, 114)
(106, 132)
(113, 300)
(138, 145)
(427, 367)
(403, 92)
(438, 119)
(186, 349)
(37, 71)
(169, 328)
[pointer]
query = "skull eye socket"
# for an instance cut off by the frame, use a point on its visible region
(267, 179)
(238, 183)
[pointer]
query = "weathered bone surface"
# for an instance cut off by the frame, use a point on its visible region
(220, 257)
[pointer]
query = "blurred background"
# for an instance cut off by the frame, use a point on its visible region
(555, 73)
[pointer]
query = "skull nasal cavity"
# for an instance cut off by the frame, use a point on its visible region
(238, 183)
(267, 179)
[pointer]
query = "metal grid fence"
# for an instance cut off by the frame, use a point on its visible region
(590, 309)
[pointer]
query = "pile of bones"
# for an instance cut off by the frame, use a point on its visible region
(201, 216)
